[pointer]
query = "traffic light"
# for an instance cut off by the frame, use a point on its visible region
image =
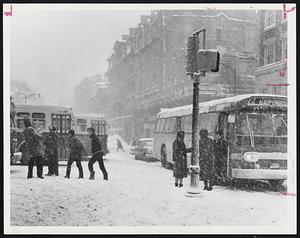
(192, 48)
(208, 60)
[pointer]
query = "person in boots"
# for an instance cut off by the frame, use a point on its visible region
(97, 155)
(179, 158)
(206, 159)
(33, 142)
(76, 148)
(51, 144)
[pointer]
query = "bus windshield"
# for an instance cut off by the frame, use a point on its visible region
(259, 129)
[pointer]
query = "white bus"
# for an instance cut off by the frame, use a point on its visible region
(41, 117)
(252, 126)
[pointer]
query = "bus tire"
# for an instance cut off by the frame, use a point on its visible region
(163, 156)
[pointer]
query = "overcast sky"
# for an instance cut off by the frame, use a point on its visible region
(54, 50)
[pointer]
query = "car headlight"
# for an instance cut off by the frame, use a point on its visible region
(251, 157)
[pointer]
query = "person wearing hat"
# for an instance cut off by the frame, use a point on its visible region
(179, 158)
(33, 142)
(97, 155)
(206, 159)
(76, 149)
(12, 112)
(51, 151)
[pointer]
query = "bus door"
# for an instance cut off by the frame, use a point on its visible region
(62, 122)
(100, 129)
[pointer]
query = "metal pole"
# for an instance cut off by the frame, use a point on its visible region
(234, 81)
(194, 189)
(194, 183)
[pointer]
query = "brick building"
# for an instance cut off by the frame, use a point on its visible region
(147, 69)
(271, 74)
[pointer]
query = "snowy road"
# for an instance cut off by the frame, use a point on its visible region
(137, 193)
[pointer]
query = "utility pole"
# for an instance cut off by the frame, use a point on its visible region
(198, 62)
(194, 189)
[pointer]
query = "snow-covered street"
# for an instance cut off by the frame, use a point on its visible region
(137, 193)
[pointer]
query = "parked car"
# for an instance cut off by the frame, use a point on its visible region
(143, 150)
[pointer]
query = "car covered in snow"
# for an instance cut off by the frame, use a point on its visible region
(143, 149)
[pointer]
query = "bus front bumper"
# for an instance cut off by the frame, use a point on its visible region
(259, 173)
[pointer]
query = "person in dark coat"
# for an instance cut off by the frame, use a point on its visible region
(119, 145)
(34, 147)
(179, 158)
(220, 157)
(76, 148)
(206, 159)
(51, 151)
(97, 155)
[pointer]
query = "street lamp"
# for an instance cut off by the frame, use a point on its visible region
(234, 72)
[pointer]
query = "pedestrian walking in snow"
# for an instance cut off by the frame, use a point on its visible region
(76, 148)
(33, 142)
(51, 152)
(97, 155)
(206, 159)
(119, 146)
(179, 158)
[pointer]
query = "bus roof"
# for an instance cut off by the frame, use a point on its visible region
(43, 107)
(205, 106)
(89, 115)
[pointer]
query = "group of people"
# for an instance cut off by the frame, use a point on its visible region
(206, 159)
(35, 148)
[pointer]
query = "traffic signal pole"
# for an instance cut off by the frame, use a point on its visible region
(194, 189)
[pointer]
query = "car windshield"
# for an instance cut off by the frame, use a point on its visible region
(146, 143)
(259, 129)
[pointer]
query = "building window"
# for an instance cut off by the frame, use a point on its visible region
(284, 49)
(218, 34)
(269, 18)
(269, 54)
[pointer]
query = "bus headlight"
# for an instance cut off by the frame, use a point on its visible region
(251, 157)
(235, 156)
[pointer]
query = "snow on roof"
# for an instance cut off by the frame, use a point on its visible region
(146, 139)
(89, 115)
(214, 16)
(204, 106)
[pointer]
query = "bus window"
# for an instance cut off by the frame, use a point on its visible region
(38, 120)
(20, 123)
(170, 125)
(23, 114)
(208, 122)
(81, 124)
(187, 123)
(102, 129)
(160, 125)
(38, 123)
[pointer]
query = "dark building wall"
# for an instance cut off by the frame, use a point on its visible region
(150, 73)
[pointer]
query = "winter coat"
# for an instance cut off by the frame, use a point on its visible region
(76, 148)
(33, 142)
(51, 144)
(179, 157)
(206, 158)
(95, 143)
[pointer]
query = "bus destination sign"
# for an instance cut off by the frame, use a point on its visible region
(258, 101)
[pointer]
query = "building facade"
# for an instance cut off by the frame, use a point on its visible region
(271, 74)
(146, 72)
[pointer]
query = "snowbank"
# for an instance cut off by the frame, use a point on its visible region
(112, 143)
